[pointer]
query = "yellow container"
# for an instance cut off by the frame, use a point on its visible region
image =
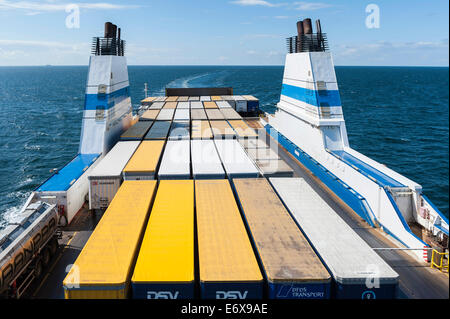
(216, 98)
(166, 258)
(221, 129)
(143, 163)
(242, 129)
(148, 99)
(226, 258)
(170, 105)
(150, 115)
(201, 129)
(210, 105)
(104, 267)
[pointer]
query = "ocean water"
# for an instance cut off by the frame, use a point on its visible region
(398, 116)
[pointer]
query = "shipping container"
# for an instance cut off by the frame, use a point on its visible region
(242, 130)
(206, 163)
(106, 177)
(166, 115)
(196, 105)
(235, 160)
(228, 266)
(104, 267)
(179, 130)
(176, 160)
(205, 98)
(223, 105)
(201, 129)
(198, 114)
(210, 105)
(194, 98)
(182, 115)
(291, 267)
(230, 114)
(355, 267)
(274, 168)
(183, 105)
(241, 103)
(214, 114)
(170, 105)
(149, 115)
(160, 99)
(156, 105)
(221, 129)
(256, 124)
(183, 98)
(252, 103)
(137, 131)
(216, 98)
(144, 162)
(230, 99)
(159, 131)
(148, 101)
(165, 264)
(171, 98)
(262, 154)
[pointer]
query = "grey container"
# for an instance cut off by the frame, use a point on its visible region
(165, 115)
(196, 105)
(159, 130)
(351, 261)
(223, 104)
(156, 105)
(214, 114)
(183, 105)
(205, 98)
(230, 114)
(137, 131)
(198, 114)
(179, 130)
(194, 98)
(182, 115)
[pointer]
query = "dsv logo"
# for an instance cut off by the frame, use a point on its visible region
(162, 294)
(231, 294)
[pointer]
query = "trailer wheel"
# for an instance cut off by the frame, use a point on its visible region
(46, 256)
(38, 268)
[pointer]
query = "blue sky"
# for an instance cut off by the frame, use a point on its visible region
(224, 32)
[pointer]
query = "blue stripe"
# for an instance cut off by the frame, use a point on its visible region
(106, 101)
(332, 97)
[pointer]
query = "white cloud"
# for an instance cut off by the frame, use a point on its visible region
(37, 7)
(262, 3)
(310, 6)
(282, 17)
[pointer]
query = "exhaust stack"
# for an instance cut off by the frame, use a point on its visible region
(306, 40)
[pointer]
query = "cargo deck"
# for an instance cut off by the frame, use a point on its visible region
(416, 281)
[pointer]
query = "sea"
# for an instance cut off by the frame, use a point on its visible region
(398, 116)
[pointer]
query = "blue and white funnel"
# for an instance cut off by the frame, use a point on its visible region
(107, 108)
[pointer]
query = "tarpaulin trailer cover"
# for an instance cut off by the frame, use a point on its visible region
(104, 267)
(228, 266)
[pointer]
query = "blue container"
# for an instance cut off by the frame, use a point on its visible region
(299, 290)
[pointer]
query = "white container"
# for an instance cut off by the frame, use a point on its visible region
(235, 160)
(349, 258)
(160, 99)
(182, 115)
(176, 161)
(183, 105)
(205, 98)
(179, 130)
(262, 154)
(241, 103)
(106, 177)
(196, 105)
(223, 104)
(194, 98)
(165, 115)
(206, 163)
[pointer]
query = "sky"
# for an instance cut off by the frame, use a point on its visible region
(224, 32)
